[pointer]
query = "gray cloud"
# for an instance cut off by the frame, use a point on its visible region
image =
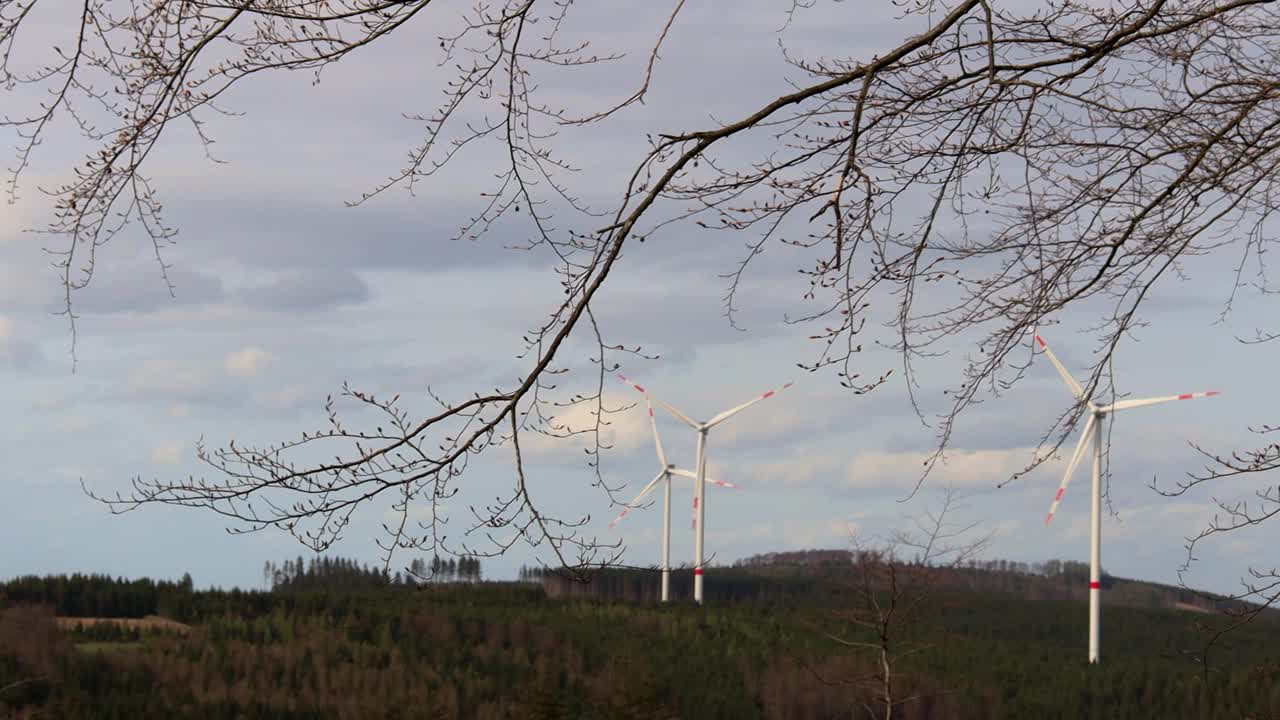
(16, 351)
(138, 287)
(298, 291)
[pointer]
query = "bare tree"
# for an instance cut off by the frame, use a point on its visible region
(1001, 163)
(1260, 588)
(891, 588)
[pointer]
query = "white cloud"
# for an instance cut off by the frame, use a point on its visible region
(12, 220)
(14, 349)
(882, 469)
(76, 422)
(68, 472)
(802, 468)
(167, 454)
(784, 535)
(165, 378)
(761, 423)
(247, 362)
(282, 399)
(961, 468)
(625, 431)
(420, 511)
(22, 287)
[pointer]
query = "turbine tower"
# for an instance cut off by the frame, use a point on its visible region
(1093, 431)
(699, 483)
(664, 476)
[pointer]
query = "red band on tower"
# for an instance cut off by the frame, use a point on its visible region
(1095, 586)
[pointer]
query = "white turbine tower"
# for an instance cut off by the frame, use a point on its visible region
(699, 483)
(1093, 430)
(664, 476)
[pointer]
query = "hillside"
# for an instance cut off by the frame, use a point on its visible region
(350, 644)
(821, 576)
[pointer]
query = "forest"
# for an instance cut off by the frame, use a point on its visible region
(779, 638)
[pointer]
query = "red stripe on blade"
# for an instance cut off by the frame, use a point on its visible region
(1060, 492)
(767, 395)
(1040, 340)
(1185, 396)
(1211, 393)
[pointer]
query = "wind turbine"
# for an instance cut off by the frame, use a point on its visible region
(699, 483)
(664, 476)
(1093, 430)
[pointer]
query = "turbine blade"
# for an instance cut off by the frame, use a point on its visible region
(1062, 370)
(665, 406)
(1071, 466)
(632, 505)
(708, 480)
(687, 420)
(734, 411)
(1143, 402)
(653, 424)
(721, 483)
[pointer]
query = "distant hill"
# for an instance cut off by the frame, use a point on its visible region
(818, 575)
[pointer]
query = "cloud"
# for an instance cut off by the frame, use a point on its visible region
(16, 350)
(22, 287)
(296, 291)
(167, 454)
(247, 362)
(166, 379)
(773, 425)
(315, 232)
(879, 469)
(76, 423)
(138, 287)
(284, 398)
(625, 431)
(961, 468)
(421, 512)
(783, 535)
(803, 467)
(69, 472)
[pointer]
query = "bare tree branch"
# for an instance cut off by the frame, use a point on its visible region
(964, 187)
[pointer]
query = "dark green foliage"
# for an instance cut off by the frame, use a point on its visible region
(360, 649)
(102, 596)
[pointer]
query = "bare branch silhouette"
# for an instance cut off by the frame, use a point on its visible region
(994, 168)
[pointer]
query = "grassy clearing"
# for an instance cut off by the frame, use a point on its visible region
(104, 647)
(150, 622)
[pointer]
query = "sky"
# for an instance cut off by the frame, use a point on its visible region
(283, 293)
